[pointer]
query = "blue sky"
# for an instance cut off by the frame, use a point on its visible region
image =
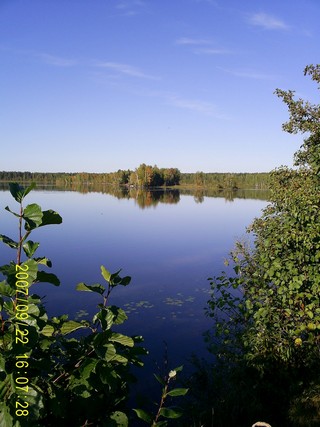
(102, 85)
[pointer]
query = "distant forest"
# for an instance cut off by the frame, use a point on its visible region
(144, 176)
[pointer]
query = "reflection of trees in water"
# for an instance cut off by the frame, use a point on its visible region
(151, 197)
(198, 196)
(145, 199)
(229, 195)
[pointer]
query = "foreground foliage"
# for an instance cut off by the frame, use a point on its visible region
(267, 313)
(50, 377)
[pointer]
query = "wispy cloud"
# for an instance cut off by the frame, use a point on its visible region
(249, 74)
(267, 22)
(192, 41)
(56, 60)
(211, 51)
(176, 100)
(130, 7)
(127, 69)
(196, 105)
(201, 46)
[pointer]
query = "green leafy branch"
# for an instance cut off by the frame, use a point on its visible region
(71, 380)
(164, 412)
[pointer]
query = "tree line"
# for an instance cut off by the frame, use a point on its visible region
(227, 180)
(144, 176)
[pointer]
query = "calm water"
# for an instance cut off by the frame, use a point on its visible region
(169, 243)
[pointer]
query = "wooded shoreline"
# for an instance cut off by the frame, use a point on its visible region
(145, 177)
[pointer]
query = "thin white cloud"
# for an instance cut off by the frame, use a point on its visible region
(201, 46)
(267, 22)
(56, 60)
(126, 69)
(250, 74)
(198, 106)
(211, 51)
(192, 41)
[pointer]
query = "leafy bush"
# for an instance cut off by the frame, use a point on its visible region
(267, 313)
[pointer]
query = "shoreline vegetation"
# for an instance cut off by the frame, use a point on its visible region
(145, 176)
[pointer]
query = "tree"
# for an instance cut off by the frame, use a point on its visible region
(171, 176)
(199, 178)
(305, 117)
(271, 304)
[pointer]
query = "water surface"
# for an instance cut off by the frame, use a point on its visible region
(170, 243)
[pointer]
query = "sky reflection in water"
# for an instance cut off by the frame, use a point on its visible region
(169, 250)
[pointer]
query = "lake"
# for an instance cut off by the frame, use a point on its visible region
(169, 242)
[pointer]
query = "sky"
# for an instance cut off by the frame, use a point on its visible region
(102, 85)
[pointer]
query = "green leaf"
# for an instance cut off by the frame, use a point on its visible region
(13, 213)
(10, 271)
(32, 269)
(45, 277)
(33, 337)
(47, 331)
(87, 367)
(143, 415)
(32, 214)
(70, 326)
(44, 261)
(50, 217)
(6, 388)
(30, 247)
(90, 288)
(105, 273)
(119, 358)
(18, 192)
(107, 374)
(33, 311)
(2, 363)
(122, 339)
(115, 279)
(120, 418)
(125, 281)
(5, 417)
(170, 413)
(106, 317)
(45, 344)
(162, 423)
(119, 315)
(159, 379)
(6, 289)
(35, 399)
(9, 242)
(178, 392)
(109, 352)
